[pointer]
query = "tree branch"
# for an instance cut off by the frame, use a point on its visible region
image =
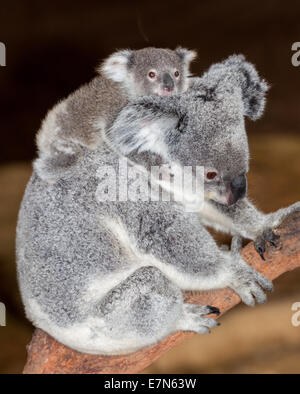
(46, 355)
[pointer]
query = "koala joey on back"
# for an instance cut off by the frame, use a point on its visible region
(106, 276)
(78, 122)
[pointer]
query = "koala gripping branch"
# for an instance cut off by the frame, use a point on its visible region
(47, 356)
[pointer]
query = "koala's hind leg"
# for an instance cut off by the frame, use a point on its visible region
(146, 307)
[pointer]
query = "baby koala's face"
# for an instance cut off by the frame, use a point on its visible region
(149, 71)
(161, 72)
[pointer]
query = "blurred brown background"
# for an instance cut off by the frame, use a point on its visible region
(53, 47)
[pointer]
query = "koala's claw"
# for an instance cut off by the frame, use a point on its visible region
(271, 237)
(261, 250)
(267, 236)
(213, 310)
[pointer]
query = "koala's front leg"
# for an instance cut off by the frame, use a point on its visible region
(273, 220)
(266, 234)
(187, 254)
(244, 219)
(241, 218)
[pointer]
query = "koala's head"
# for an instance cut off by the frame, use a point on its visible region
(150, 71)
(202, 127)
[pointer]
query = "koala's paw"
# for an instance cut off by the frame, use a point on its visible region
(273, 220)
(194, 318)
(267, 236)
(249, 284)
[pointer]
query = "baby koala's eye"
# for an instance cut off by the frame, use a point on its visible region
(176, 73)
(151, 74)
(211, 175)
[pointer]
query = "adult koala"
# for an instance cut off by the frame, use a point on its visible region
(107, 277)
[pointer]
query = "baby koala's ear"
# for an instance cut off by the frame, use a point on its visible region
(186, 55)
(116, 66)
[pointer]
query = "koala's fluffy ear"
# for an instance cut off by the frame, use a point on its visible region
(141, 126)
(253, 87)
(186, 55)
(237, 71)
(116, 66)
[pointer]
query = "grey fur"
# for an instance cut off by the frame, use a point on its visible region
(235, 70)
(78, 121)
(106, 277)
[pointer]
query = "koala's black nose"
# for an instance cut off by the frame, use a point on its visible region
(238, 187)
(168, 82)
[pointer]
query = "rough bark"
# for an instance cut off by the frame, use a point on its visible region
(46, 355)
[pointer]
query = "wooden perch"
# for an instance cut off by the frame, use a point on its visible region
(46, 355)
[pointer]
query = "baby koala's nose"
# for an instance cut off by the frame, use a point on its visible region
(168, 83)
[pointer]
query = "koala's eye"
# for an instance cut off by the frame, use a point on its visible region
(176, 73)
(211, 175)
(151, 74)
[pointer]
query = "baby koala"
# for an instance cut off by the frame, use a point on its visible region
(78, 122)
